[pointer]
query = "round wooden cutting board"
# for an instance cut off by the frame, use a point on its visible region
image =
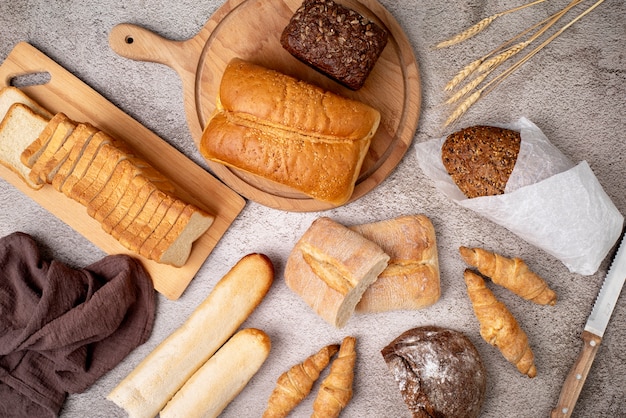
(251, 29)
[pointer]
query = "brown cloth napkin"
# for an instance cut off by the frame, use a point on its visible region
(62, 328)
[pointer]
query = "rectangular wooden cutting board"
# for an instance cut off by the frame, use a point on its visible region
(66, 93)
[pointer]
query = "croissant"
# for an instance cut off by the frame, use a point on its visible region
(511, 273)
(296, 383)
(498, 326)
(336, 390)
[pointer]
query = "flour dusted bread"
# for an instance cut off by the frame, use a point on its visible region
(438, 371)
(289, 132)
(480, 159)
(331, 266)
(411, 279)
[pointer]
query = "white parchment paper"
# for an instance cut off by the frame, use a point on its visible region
(549, 201)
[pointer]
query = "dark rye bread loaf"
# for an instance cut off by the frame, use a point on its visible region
(480, 159)
(337, 41)
(439, 372)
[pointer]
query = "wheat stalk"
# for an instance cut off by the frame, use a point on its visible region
(493, 83)
(481, 64)
(468, 87)
(480, 26)
(471, 100)
(463, 74)
(463, 107)
(494, 62)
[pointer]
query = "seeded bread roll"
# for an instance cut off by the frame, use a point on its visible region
(335, 40)
(480, 159)
(439, 372)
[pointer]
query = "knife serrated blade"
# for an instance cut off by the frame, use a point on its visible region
(609, 293)
(593, 333)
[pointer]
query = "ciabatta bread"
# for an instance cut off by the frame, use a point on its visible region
(331, 266)
(20, 127)
(146, 390)
(288, 131)
(411, 280)
(221, 378)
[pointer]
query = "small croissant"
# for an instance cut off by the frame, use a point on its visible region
(511, 273)
(498, 326)
(336, 390)
(295, 384)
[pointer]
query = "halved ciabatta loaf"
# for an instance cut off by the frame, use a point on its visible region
(411, 280)
(331, 266)
(289, 131)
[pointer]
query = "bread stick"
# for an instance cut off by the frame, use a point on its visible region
(146, 390)
(221, 378)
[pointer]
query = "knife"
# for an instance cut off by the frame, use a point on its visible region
(593, 332)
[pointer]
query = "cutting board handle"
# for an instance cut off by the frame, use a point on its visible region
(140, 44)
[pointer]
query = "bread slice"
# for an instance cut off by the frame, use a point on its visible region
(142, 227)
(411, 279)
(164, 227)
(61, 133)
(19, 128)
(84, 162)
(131, 203)
(10, 95)
(330, 268)
(79, 135)
(118, 179)
(175, 247)
(31, 153)
(141, 220)
(97, 174)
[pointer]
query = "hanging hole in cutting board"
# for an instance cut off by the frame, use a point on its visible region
(129, 40)
(30, 79)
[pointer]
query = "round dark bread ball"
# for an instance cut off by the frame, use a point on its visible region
(480, 159)
(439, 372)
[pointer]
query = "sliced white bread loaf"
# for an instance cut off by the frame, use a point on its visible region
(36, 148)
(62, 131)
(111, 218)
(19, 128)
(163, 228)
(136, 207)
(114, 187)
(97, 174)
(144, 229)
(10, 95)
(83, 163)
(81, 146)
(80, 134)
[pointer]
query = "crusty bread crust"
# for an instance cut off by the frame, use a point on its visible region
(310, 140)
(331, 266)
(411, 280)
(146, 390)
